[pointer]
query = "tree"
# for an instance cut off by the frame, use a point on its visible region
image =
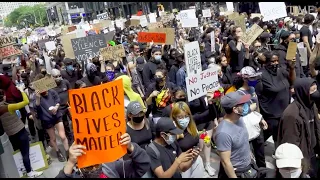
(27, 16)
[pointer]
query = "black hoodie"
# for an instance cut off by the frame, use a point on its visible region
(149, 70)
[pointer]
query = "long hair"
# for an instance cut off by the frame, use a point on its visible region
(177, 109)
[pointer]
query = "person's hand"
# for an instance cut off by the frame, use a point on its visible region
(292, 63)
(195, 152)
(54, 110)
(246, 46)
(185, 156)
(151, 44)
(31, 117)
(75, 151)
(38, 95)
(126, 141)
(155, 93)
(264, 124)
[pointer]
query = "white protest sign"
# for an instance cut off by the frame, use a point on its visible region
(152, 18)
(303, 54)
(37, 156)
(47, 62)
(190, 23)
(135, 17)
(213, 42)
(192, 58)
(230, 6)
(187, 14)
(206, 13)
(143, 21)
(50, 45)
(119, 24)
(272, 10)
(199, 84)
(102, 16)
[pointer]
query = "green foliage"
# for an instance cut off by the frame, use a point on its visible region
(26, 16)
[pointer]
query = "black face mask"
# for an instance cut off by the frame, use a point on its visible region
(273, 68)
(315, 96)
(137, 119)
(158, 80)
(44, 72)
(181, 100)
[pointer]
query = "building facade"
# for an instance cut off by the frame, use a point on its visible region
(7, 7)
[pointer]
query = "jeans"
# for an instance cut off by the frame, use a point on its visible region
(258, 150)
(31, 126)
(21, 141)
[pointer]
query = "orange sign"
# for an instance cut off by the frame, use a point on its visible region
(98, 122)
(145, 37)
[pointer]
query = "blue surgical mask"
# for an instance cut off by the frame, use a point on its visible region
(110, 75)
(252, 83)
(184, 122)
(157, 57)
(171, 139)
(70, 67)
(245, 109)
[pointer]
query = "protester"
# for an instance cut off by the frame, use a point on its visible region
(149, 69)
(70, 73)
(135, 167)
(91, 78)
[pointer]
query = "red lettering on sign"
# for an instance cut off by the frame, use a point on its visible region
(8, 51)
(145, 37)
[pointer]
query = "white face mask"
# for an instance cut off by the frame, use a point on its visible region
(290, 173)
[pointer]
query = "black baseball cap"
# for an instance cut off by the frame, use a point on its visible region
(233, 99)
(166, 124)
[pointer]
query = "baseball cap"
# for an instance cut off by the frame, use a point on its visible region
(134, 108)
(288, 155)
(67, 61)
(284, 35)
(249, 72)
(166, 124)
(140, 63)
(233, 99)
(265, 35)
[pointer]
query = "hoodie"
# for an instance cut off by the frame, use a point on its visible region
(281, 49)
(12, 93)
(149, 70)
(300, 124)
(135, 167)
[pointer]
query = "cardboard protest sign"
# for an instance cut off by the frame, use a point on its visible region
(240, 21)
(190, 22)
(38, 159)
(50, 45)
(192, 58)
(8, 51)
(88, 47)
(44, 84)
(206, 13)
(72, 28)
(133, 22)
(67, 46)
(105, 23)
(165, 18)
(252, 34)
(253, 15)
(98, 122)
(151, 37)
(7, 40)
(199, 84)
(272, 10)
(233, 16)
(170, 34)
(113, 53)
(155, 25)
(291, 51)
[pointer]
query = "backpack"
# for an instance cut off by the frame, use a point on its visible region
(149, 173)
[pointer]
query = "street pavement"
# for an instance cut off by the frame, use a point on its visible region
(56, 166)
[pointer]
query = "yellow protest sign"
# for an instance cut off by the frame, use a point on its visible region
(252, 34)
(291, 51)
(113, 52)
(44, 84)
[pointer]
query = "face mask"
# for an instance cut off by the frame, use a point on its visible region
(158, 80)
(315, 96)
(245, 109)
(184, 122)
(110, 75)
(273, 68)
(44, 72)
(157, 57)
(252, 83)
(181, 100)
(70, 67)
(58, 80)
(137, 119)
(290, 173)
(170, 140)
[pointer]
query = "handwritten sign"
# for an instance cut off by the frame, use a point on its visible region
(199, 84)
(67, 46)
(98, 122)
(88, 47)
(143, 21)
(102, 16)
(7, 40)
(190, 22)
(166, 18)
(44, 84)
(240, 21)
(113, 52)
(38, 159)
(233, 16)
(291, 51)
(192, 58)
(206, 13)
(170, 34)
(8, 51)
(50, 45)
(151, 37)
(252, 34)
(155, 25)
(272, 10)
(187, 14)
(133, 22)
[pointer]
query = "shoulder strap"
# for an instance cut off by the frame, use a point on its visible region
(155, 149)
